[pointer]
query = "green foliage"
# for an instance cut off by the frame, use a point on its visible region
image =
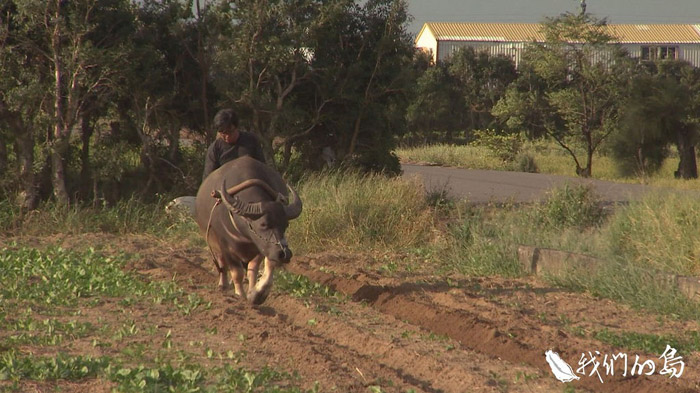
(650, 343)
(457, 95)
(570, 206)
(48, 332)
(653, 111)
(267, 380)
(565, 91)
(187, 378)
(437, 108)
(526, 163)
(15, 367)
(477, 247)
(302, 287)
(505, 146)
(183, 378)
(61, 277)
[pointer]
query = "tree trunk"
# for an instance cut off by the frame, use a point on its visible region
(28, 197)
(58, 173)
(59, 145)
(3, 156)
(687, 166)
(86, 131)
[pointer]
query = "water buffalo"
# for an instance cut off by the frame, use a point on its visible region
(244, 224)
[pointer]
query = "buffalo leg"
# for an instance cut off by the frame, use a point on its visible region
(262, 286)
(237, 274)
(253, 267)
(224, 283)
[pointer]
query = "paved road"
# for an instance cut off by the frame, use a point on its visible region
(481, 186)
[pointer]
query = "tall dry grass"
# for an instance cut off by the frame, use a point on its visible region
(360, 212)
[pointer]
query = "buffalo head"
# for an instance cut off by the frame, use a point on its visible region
(263, 222)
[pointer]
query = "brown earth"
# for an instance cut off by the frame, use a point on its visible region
(396, 330)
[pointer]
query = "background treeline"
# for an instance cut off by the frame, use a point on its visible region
(578, 89)
(104, 99)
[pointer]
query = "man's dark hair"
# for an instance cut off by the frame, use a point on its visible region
(225, 118)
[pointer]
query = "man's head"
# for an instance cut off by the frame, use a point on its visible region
(226, 124)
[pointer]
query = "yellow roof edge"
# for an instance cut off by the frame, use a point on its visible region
(438, 31)
(425, 26)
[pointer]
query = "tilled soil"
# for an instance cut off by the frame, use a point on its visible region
(396, 331)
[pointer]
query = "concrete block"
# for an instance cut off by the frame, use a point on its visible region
(558, 263)
(689, 286)
(527, 256)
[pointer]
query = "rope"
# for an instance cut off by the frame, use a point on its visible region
(211, 214)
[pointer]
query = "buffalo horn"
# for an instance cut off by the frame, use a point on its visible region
(236, 206)
(293, 209)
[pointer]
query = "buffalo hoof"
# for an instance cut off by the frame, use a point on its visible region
(258, 298)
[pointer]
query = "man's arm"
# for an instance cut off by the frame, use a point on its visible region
(259, 154)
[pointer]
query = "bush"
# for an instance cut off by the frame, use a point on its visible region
(570, 206)
(526, 163)
(505, 146)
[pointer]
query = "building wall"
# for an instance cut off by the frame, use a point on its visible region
(445, 49)
(512, 50)
(428, 42)
(687, 52)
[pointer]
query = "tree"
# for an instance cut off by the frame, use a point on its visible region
(21, 87)
(687, 129)
(69, 47)
(641, 145)
(660, 110)
(366, 75)
(482, 80)
(317, 74)
(579, 77)
(437, 107)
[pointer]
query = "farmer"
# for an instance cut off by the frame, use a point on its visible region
(231, 143)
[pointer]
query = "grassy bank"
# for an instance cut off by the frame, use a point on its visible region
(548, 158)
(392, 219)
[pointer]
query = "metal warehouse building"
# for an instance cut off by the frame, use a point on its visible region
(647, 42)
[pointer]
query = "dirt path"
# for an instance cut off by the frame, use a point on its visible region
(394, 332)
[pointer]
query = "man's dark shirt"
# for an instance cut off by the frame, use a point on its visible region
(220, 152)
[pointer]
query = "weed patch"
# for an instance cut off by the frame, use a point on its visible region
(365, 212)
(570, 206)
(650, 343)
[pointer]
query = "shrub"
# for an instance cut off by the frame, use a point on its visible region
(570, 206)
(526, 163)
(505, 146)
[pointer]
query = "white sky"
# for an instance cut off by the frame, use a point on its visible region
(534, 11)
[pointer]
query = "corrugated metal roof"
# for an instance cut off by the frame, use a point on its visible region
(519, 32)
(656, 33)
